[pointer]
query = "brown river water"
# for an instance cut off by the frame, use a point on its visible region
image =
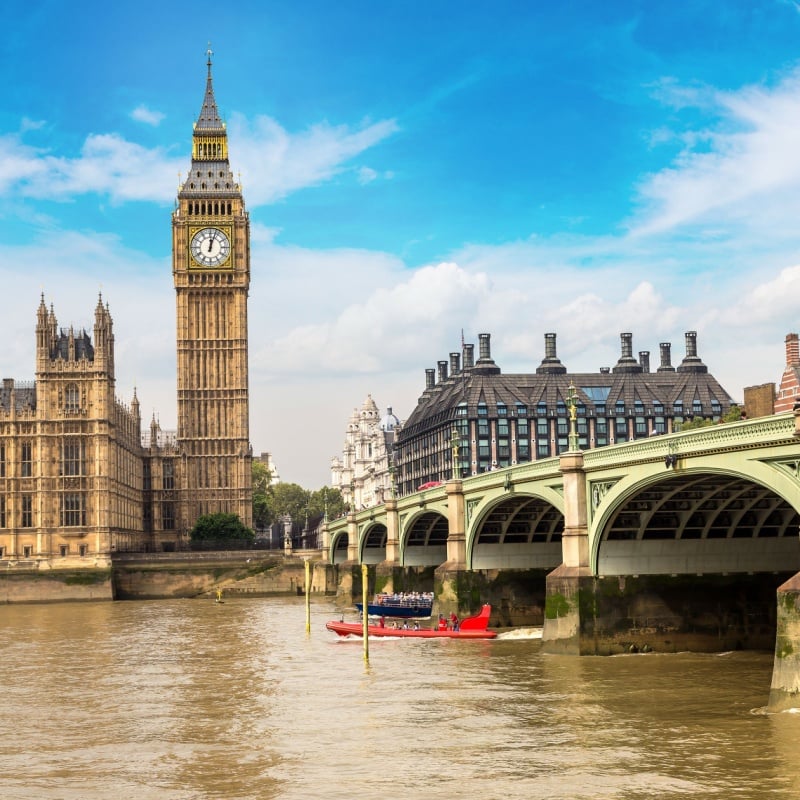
(192, 700)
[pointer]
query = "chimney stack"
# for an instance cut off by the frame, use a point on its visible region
(644, 360)
(455, 363)
(627, 363)
(666, 358)
(442, 371)
(792, 350)
(469, 356)
(430, 379)
(551, 365)
(691, 362)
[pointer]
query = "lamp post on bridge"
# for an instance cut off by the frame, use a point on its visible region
(454, 442)
(572, 405)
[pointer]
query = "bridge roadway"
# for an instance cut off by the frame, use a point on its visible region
(678, 541)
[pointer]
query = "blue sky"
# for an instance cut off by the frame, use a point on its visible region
(411, 169)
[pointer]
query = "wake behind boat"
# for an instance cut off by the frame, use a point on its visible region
(470, 628)
(402, 606)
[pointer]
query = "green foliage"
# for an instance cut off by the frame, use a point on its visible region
(734, 414)
(218, 527)
(291, 499)
(691, 424)
(262, 509)
(326, 498)
(271, 501)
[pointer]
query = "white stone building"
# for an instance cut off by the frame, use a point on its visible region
(363, 474)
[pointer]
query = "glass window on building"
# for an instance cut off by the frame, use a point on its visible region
(26, 506)
(461, 410)
(660, 425)
(541, 410)
(167, 516)
(523, 450)
(2, 511)
(72, 456)
(621, 429)
(697, 408)
(543, 448)
(483, 427)
(2, 461)
(72, 398)
(502, 410)
(522, 428)
(522, 410)
(601, 432)
(562, 426)
(483, 411)
(168, 475)
(639, 428)
(26, 462)
(502, 427)
(72, 514)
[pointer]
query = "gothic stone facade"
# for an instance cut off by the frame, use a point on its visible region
(78, 478)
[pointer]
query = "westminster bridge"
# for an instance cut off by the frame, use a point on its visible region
(675, 542)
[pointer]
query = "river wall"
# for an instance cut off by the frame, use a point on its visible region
(166, 575)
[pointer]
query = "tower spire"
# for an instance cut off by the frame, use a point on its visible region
(209, 118)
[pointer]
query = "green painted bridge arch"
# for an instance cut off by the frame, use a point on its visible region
(728, 500)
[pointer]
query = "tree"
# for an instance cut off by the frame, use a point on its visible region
(220, 527)
(326, 497)
(262, 495)
(291, 499)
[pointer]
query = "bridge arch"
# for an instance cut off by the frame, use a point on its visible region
(515, 531)
(423, 539)
(703, 519)
(338, 547)
(372, 543)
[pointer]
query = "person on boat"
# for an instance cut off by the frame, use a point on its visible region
(453, 621)
(416, 625)
(382, 622)
(405, 624)
(442, 623)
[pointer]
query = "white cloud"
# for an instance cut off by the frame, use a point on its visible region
(147, 115)
(751, 153)
(277, 163)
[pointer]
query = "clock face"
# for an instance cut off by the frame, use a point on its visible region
(210, 247)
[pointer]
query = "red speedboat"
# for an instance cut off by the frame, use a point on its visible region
(470, 628)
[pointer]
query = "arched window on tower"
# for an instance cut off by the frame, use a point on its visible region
(72, 398)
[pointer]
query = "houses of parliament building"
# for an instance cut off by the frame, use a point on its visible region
(79, 477)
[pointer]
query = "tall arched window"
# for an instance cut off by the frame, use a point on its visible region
(72, 398)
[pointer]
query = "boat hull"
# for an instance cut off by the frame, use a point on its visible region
(357, 629)
(471, 628)
(396, 611)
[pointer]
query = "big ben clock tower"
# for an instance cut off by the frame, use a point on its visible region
(211, 270)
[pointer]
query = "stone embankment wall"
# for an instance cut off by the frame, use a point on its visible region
(172, 575)
(166, 575)
(32, 585)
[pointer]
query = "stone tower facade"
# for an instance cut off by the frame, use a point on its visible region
(211, 271)
(71, 469)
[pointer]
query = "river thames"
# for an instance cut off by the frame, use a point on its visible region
(192, 700)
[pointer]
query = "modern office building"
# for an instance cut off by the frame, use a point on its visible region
(472, 418)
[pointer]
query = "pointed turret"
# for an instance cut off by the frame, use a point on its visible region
(209, 118)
